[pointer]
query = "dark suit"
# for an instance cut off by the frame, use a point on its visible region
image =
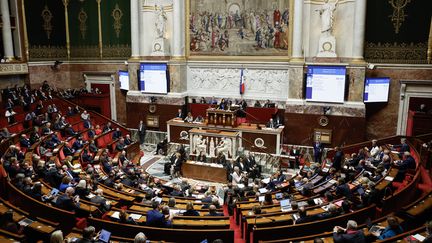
(156, 219)
(66, 203)
(344, 190)
(349, 236)
(214, 214)
(318, 149)
(142, 132)
(337, 160)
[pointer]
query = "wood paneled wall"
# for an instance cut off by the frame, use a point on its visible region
(299, 129)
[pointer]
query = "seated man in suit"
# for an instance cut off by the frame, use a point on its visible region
(408, 163)
(155, 218)
(116, 134)
(271, 124)
(350, 234)
(98, 199)
(67, 201)
(402, 147)
(179, 114)
(343, 190)
(24, 141)
(120, 146)
(213, 212)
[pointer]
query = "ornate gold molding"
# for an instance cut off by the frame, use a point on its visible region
(47, 52)
(429, 51)
(117, 15)
(398, 16)
(100, 29)
(47, 25)
(82, 18)
(26, 42)
(117, 51)
(85, 52)
(13, 69)
(65, 4)
(409, 53)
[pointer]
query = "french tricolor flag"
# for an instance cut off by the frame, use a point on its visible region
(242, 82)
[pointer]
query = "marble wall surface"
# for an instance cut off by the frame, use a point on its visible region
(70, 75)
(382, 118)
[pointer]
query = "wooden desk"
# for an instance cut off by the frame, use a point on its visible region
(216, 117)
(178, 132)
(204, 172)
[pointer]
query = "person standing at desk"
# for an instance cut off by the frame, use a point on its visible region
(141, 132)
(222, 105)
(318, 149)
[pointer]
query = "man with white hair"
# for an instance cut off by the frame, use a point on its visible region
(67, 201)
(408, 163)
(140, 238)
(350, 234)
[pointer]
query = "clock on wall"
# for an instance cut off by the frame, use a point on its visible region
(152, 109)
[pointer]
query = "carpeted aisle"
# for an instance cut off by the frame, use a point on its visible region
(237, 231)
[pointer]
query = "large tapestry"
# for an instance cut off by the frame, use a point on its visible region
(397, 31)
(239, 27)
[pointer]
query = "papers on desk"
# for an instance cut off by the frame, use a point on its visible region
(25, 222)
(135, 216)
(325, 207)
(90, 196)
(389, 178)
(263, 190)
(116, 215)
(318, 201)
(177, 211)
(240, 186)
(266, 180)
(419, 237)
(394, 152)
(261, 198)
(325, 169)
(332, 181)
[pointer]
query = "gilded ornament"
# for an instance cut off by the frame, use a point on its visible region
(398, 16)
(82, 18)
(117, 15)
(47, 17)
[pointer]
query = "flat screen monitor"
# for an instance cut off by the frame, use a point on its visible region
(376, 90)
(153, 78)
(326, 84)
(124, 79)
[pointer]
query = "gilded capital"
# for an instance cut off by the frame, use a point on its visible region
(65, 2)
(98, 1)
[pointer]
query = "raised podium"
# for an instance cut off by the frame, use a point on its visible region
(216, 117)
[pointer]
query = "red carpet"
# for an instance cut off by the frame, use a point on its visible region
(237, 231)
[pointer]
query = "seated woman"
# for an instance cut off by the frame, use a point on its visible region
(190, 211)
(189, 117)
(81, 189)
(391, 230)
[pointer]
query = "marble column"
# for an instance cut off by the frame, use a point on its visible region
(135, 30)
(178, 28)
(297, 50)
(142, 27)
(359, 29)
(6, 31)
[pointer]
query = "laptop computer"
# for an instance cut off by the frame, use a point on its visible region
(285, 205)
(375, 229)
(279, 196)
(54, 192)
(104, 236)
